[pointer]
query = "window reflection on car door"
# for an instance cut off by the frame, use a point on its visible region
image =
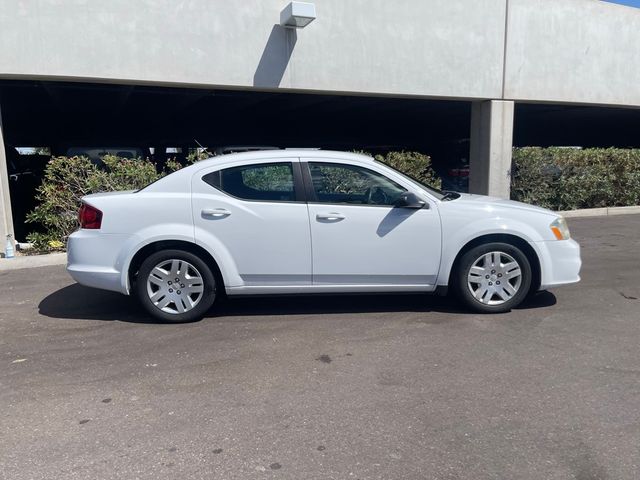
(359, 237)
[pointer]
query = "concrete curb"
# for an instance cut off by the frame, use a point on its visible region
(32, 261)
(599, 212)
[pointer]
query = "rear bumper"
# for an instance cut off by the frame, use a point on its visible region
(560, 263)
(92, 277)
(94, 259)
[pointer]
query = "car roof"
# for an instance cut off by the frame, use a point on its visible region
(288, 153)
(175, 181)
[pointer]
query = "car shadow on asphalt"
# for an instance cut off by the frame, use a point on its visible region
(78, 302)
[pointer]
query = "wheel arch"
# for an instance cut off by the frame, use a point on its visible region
(146, 250)
(516, 241)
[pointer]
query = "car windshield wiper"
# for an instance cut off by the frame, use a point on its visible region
(449, 195)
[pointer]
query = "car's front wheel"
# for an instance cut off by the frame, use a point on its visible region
(493, 278)
(175, 286)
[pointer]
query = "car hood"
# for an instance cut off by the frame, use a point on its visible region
(495, 202)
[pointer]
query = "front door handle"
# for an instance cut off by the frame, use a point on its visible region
(331, 217)
(216, 212)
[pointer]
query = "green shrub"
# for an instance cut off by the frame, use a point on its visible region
(568, 178)
(413, 164)
(66, 180)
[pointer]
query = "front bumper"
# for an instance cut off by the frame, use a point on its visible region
(94, 259)
(560, 262)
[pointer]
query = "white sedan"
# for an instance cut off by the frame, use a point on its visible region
(298, 222)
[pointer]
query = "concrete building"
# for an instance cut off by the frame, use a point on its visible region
(374, 72)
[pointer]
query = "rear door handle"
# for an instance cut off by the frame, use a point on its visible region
(215, 212)
(331, 217)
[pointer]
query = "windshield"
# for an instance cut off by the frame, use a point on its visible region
(433, 191)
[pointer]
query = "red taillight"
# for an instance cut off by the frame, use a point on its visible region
(89, 217)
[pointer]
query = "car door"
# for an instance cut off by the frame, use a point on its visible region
(358, 236)
(257, 213)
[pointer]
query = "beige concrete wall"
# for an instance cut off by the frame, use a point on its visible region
(422, 47)
(437, 48)
(581, 51)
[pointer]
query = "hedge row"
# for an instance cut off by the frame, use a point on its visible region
(572, 178)
(67, 179)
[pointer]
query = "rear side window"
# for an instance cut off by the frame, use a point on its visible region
(270, 182)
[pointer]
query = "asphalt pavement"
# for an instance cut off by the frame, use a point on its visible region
(330, 387)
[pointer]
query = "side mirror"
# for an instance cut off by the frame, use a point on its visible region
(410, 200)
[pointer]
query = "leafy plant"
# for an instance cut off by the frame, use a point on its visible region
(67, 180)
(567, 178)
(414, 164)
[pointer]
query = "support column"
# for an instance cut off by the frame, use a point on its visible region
(491, 146)
(6, 220)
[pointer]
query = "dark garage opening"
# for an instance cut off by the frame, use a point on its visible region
(61, 114)
(575, 125)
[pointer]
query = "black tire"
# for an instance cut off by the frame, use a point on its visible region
(205, 301)
(462, 289)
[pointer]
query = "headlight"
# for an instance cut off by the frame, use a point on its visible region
(560, 229)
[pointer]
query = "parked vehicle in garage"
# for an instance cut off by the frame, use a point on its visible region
(95, 154)
(286, 221)
(227, 149)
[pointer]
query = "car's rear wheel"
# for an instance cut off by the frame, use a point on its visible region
(175, 286)
(493, 278)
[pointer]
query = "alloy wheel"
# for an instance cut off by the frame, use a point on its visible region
(494, 278)
(175, 286)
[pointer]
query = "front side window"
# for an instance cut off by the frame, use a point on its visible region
(336, 183)
(270, 182)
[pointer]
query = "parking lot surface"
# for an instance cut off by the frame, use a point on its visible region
(330, 387)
